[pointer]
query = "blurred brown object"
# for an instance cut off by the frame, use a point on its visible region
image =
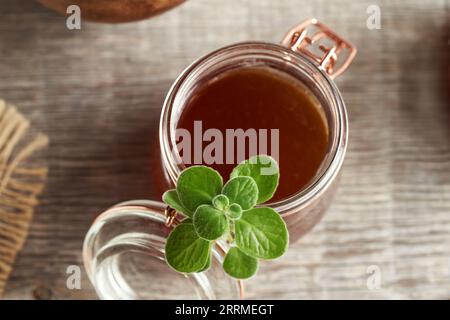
(114, 10)
(21, 181)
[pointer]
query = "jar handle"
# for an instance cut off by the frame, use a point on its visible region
(315, 40)
(141, 227)
(110, 233)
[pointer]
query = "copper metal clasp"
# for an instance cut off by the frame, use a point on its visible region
(171, 215)
(332, 53)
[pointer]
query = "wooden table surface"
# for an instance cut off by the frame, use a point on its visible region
(97, 92)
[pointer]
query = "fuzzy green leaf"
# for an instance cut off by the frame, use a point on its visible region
(234, 211)
(264, 170)
(185, 250)
(209, 222)
(187, 220)
(171, 198)
(262, 233)
(239, 265)
(208, 263)
(243, 191)
(220, 202)
(198, 185)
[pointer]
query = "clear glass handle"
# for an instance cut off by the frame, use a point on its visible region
(123, 253)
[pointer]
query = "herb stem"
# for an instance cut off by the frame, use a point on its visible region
(231, 234)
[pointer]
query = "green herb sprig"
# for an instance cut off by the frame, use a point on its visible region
(215, 211)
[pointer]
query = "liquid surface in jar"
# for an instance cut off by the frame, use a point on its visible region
(262, 98)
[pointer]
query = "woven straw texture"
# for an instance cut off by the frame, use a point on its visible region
(20, 183)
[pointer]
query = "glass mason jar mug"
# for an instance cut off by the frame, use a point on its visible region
(124, 249)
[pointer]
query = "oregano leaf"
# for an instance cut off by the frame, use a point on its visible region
(185, 250)
(212, 210)
(220, 202)
(171, 198)
(198, 185)
(209, 222)
(264, 170)
(234, 211)
(243, 191)
(261, 233)
(187, 220)
(208, 263)
(239, 265)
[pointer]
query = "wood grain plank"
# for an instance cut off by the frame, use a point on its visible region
(98, 92)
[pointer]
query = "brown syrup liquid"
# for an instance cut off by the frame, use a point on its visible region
(262, 98)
